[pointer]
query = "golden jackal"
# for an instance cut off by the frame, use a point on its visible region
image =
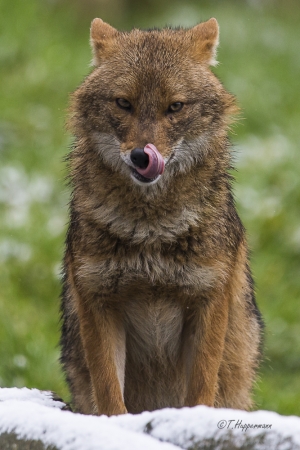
(158, 307)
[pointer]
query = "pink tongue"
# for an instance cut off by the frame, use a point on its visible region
(156, 164)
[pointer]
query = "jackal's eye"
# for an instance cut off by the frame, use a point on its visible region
(175, 107)
(123, 103)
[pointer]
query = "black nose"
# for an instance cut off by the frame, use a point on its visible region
(139, 158)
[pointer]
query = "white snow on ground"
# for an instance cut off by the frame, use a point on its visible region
(29, 414)
(32, 395)
(34, 415)
(185, 426)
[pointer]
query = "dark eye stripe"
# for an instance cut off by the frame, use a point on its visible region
(123, 103)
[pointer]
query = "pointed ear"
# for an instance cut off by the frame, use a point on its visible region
(205, 37)
(101, 38)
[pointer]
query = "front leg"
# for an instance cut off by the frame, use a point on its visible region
(103, 339)
(205, 332)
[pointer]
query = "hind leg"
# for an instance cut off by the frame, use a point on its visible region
(76, 370)
(240, 361)
(242, 351)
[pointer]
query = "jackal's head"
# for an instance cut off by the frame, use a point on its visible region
(151, 106)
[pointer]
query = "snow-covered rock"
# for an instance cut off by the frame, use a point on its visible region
(32, 420)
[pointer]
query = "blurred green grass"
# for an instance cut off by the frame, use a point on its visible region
(44, 54)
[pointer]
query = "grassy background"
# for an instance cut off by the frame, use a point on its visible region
(44, 54)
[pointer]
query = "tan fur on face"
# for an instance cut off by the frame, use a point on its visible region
(158, 308)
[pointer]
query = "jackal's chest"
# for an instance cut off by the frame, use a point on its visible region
(131, 221)
(153, 328)
(147, 270)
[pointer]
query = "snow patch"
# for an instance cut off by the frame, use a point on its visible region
(34, 415)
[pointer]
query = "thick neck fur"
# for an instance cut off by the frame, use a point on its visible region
(164, 211)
